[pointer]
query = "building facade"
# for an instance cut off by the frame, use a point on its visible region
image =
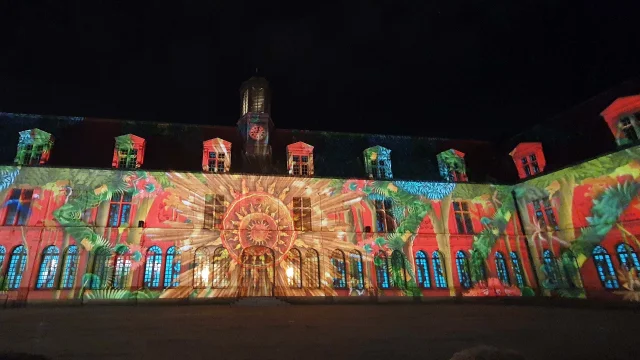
(99, 209)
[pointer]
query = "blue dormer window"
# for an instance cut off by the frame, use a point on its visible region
(377, 163)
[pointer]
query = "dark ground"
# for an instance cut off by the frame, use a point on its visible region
(425, 331)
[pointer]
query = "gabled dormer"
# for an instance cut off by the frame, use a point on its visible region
(377, 162)
(528, 158)
(128, 152)
(34, 147)
(452, 166)
(216, 155)
(623, 119)
(300, 159)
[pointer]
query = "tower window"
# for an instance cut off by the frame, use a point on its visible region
(257, 105)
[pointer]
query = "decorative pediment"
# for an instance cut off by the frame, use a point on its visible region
(300, 148)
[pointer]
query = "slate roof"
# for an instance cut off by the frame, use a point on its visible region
(89, 142)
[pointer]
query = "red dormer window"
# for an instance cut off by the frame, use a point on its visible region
(128, 152)
(216, 156)
(623, 119)
(300, 159)
(529, 159)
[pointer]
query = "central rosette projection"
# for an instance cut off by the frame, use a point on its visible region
(258, 219)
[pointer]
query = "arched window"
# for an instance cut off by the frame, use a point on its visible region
(462, 265)
(355, 270)
(571, 269)
(70, 267)
(551, 267)
(172, 268)
(382, 270)
(339, 269)
(201, 268)
(293, 268)
(607, 274)
(153, 267)
(399, 270)
(221, 268)
(479, 269)
(122, 269)
(501, 267)
(438, 272)
(17, 264)
(48, 268)
(422, 270)
(312, 269)
(100, 278)
(517, 269)
(2, 253)
(628, 257)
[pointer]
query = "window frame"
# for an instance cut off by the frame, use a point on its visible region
(21, 205)
(462, 214)
(70, 263)
(542, 209)
(294, 262)
(16, 267)
(311, 269)
(422, 261)
(601, 258)
(172, 268)
(50, 257)
(502, 270)
(152, 278)
(302, 213)
(338, 261)
(463, 269)
(124, 201)
(214, 210)
(440, 277)
(385, 221)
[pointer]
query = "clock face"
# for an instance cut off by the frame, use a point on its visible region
(257, 132)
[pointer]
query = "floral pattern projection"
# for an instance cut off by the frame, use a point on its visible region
(583, 226)
(109, 234)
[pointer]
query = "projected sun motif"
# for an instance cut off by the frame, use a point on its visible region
(258, 218)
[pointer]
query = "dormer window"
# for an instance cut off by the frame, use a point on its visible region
(377, 163)
(128, 152)
(529, 159)
(623, 119)
(34, 147)
(216, 156)
(300, 159)
(452, 165)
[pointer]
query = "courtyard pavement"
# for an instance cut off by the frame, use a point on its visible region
(400, 331)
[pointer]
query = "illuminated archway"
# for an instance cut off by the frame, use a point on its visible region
(258, 271)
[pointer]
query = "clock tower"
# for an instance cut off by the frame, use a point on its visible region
(255, 123)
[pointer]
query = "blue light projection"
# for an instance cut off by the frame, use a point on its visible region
(430, 190)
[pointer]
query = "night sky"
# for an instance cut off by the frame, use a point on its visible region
(444, 68)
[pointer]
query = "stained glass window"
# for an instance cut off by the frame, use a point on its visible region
(48, 268)
(339, 269)
(201, 268)
(17, 265)
(355, 270)
(382, 270)
(551, 267)
(438, 272)
(172, 268)
(463, 217)
(604, 266)
(501, 267)
(302, 213)
(119, 209)
(398, 270)
(422, 270)
(517, 269)
(462, 265)
(221, 268)
(18, 207)
(153, 267)
(122, 269)
(312, 269)
(101, 264)
(293, 269)
(628, 257)
(70, 267)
